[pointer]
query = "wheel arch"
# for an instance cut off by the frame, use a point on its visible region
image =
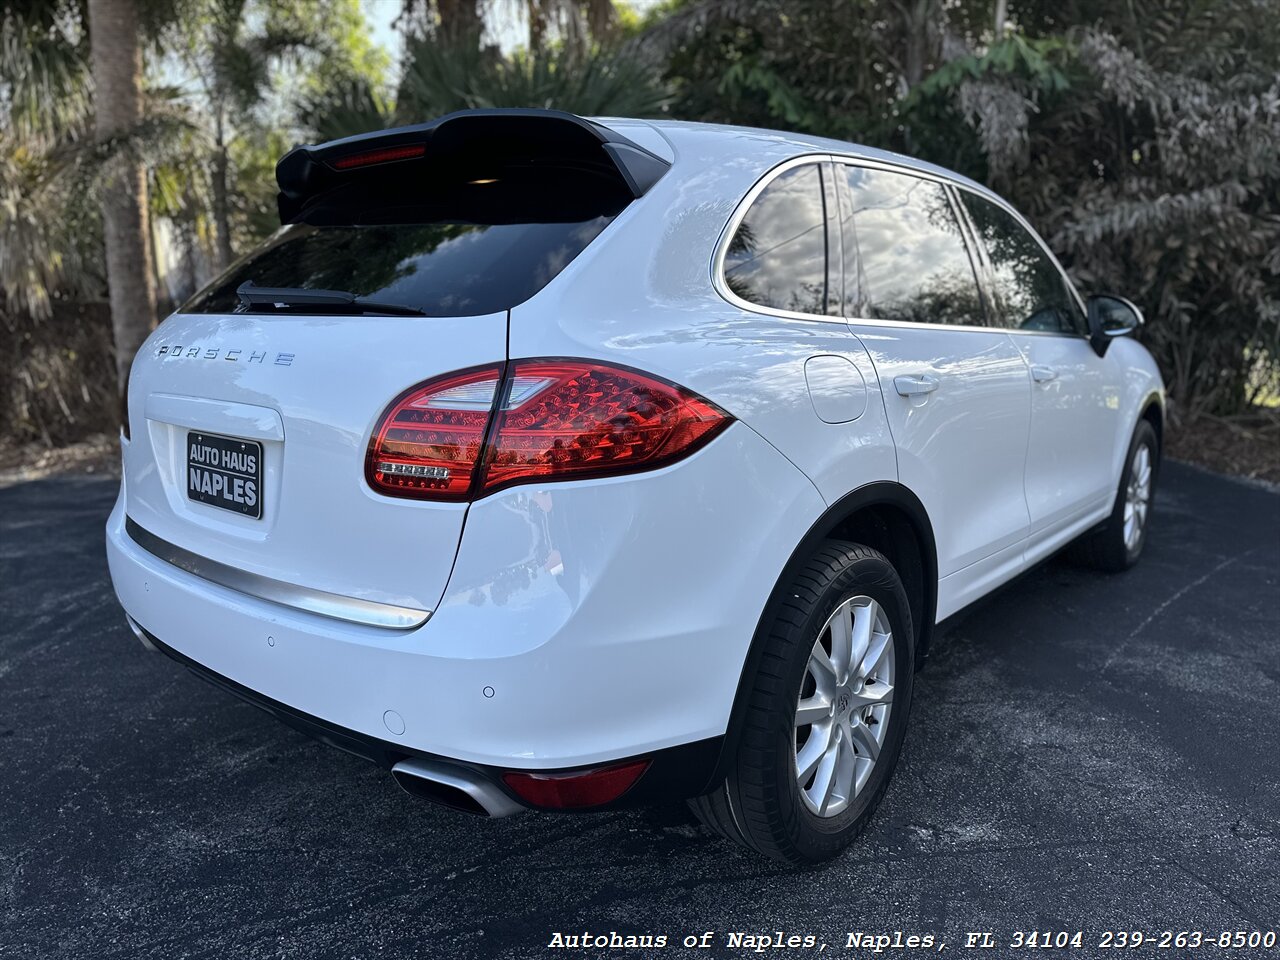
(895, 522)
(1153, 412)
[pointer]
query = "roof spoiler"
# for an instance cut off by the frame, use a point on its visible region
(468, 142)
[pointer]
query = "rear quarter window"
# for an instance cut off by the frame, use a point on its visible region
(778, 257)
(441, 269)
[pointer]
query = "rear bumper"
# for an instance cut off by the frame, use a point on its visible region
(584, 623)
(673, 773)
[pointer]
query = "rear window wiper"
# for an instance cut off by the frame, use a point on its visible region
(288, 298)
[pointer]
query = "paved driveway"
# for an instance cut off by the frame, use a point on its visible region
(1086, 752)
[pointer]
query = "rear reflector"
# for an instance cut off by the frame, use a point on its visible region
(566, 791)
(558, 420)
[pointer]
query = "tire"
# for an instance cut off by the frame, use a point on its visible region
(762, 803)
(1111, 548)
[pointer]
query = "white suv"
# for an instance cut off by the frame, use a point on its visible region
(565, 463)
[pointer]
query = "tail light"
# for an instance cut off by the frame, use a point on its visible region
(476, 431)
(429, 442)
(586, 788)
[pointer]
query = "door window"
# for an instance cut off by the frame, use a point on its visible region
(1029, 287)
(905, 258)
(778, 255)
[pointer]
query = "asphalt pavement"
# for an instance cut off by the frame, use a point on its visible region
(1086, 753)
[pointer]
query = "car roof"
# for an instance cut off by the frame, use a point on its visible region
(771, 146)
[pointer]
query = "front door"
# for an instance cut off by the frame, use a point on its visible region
(1075, 394)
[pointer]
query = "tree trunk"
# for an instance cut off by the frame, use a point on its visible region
(537, 24)
(918, 23)
(459, 20)
(221, 205)
(602, 19)
(117, 77)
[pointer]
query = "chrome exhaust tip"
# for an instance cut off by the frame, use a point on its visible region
(140, 634)
(454, 787)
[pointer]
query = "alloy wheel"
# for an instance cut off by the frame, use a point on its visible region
(1137, 497)
(842, 717)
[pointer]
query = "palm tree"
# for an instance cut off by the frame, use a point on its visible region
(441, 76)
(231, 63)
(117, 75)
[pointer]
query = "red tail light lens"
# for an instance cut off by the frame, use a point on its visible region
(385, 155)
(588, 788)
(570, 418)
(429, 441)
(559, 420)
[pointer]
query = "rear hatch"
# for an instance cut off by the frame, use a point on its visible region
(251, 408)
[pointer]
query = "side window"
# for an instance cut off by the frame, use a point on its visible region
(778, 256)
(906, 259)
(1032, 292)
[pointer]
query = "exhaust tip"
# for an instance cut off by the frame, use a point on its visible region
(140, 634)
(455, 787)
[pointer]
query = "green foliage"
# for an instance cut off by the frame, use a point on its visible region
(1039, 61)
(344, 108)
(441, 76)
(43, 63)
(1142, 138)
(1145, 146)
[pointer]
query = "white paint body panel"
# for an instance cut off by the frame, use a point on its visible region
(313, 416)
(611, 617)
(585, 606)
(962, 448)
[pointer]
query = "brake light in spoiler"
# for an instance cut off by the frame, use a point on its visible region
(468, 143)
(389, 155)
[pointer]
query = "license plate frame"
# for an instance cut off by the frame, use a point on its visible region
(225, 472)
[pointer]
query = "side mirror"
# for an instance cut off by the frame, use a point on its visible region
(1110, 317)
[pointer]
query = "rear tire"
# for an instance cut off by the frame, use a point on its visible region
(1118, 544)
(826, 711)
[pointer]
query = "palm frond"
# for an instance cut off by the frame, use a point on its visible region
(440, 76)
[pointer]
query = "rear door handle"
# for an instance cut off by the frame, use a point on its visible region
(915, 384)
(1043, 374)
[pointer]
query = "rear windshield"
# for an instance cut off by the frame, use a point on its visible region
(441, 269)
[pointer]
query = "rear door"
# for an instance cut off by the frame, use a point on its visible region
(956, 392)
(1075, 394)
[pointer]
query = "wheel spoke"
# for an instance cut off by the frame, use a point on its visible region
(811, 753)
(846, 774)
(822, 670)
(880, 644)
(865, 739)
(824, 781)
(813, 709)
(864, 625)
(873, 695)
(842, 641)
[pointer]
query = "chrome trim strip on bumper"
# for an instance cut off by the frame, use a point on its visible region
(336, 606)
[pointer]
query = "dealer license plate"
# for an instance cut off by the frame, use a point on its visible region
(225, 472)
